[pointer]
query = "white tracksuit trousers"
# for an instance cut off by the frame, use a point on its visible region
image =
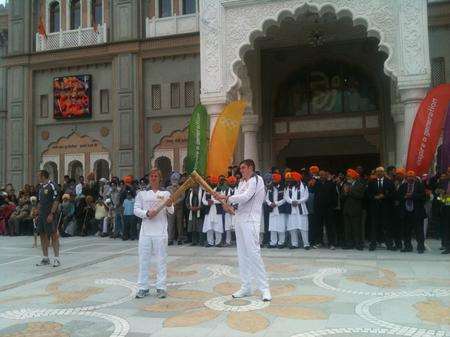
(251, 265)
(155, 247)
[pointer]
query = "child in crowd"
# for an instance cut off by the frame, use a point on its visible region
(130, 221)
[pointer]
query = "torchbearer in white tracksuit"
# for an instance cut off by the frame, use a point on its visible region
(296, 196)
(249, 197)
(213, 222)
(153, 235)
(277, 225)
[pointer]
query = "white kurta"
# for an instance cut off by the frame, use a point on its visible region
(212, 221)
(297, 219)
(229, 218)
(277, 221)
(153, 236)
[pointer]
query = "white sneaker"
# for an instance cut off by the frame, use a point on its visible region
(266, 296)
(56, 262)
(242, 293)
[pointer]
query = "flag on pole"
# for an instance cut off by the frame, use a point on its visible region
(197, 140)
(224, 138)
(41, 28)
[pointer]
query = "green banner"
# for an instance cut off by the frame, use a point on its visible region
(197, 140)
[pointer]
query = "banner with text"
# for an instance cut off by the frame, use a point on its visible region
(427, 129)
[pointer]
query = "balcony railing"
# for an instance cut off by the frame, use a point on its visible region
(71, 38)
(172, 25)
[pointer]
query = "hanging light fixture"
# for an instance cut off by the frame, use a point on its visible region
(316, 38)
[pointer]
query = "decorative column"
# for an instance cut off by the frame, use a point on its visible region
(126, 146)
(3, 106)
(411, 99)
(214, 111)
(399, 118)
(250, 131)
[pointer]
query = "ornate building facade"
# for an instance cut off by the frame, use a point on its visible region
(335, 83)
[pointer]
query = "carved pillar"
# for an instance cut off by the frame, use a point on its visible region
(410, 99)
(214, 110)
(399, 118)
(125, 20)
(126, 145)
(3, 107)
(250, 131)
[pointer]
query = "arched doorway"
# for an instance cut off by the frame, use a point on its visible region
(52, 170)
(164, 164)
(101, 169)
(75, 170)
(315, 77)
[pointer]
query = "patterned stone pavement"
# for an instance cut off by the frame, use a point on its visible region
(315, 293)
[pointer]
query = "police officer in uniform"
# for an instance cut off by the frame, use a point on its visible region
(47, 218)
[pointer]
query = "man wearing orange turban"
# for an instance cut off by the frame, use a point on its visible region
(412, 196)
(213, 222)
(314, 170)
(352, 197)
(275, 200)
(296, 195)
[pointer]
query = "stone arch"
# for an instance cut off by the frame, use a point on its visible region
(52, 168)
(279, 13)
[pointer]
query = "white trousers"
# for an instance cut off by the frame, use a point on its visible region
(213, 237)
(228, 237)
(294, 237)
(155, 247)
(277, 238)
(251, 265)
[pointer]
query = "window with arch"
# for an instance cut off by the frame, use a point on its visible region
(326, 87)
(75, 14)
(97, 12)
(101, 169)
(165, 8)
(54, 16)
(189, 6)
(75, 169)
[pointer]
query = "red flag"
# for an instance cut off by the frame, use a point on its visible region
(427, 129)
(41, 28)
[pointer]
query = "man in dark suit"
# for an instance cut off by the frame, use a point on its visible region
(412, 196)
(325, 200)
(352, 196)
(443, 198)
(380, 193)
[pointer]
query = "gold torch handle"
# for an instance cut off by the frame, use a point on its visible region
(198, 178)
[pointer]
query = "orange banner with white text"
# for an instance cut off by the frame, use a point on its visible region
(224, 138)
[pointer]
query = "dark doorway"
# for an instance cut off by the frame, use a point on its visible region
(335, 164)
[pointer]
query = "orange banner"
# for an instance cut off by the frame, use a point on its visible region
(427, 129)
(224, 138)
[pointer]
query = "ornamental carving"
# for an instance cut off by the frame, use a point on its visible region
(229, 27)
(45, 135)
